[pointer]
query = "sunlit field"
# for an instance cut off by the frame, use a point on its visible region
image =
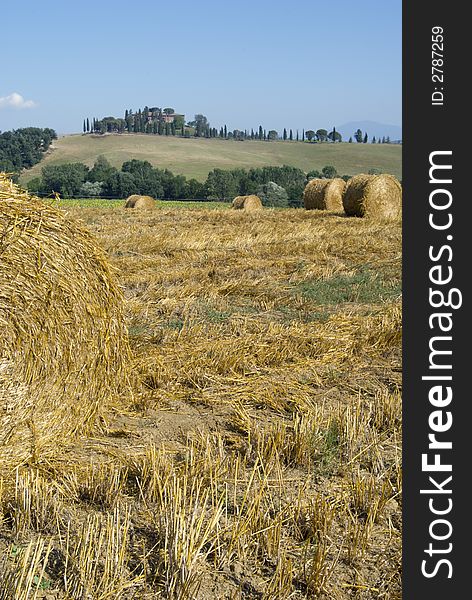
(258, 455)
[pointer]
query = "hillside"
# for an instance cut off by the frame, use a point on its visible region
(195, 157)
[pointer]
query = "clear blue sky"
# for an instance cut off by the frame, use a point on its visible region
(294, 64)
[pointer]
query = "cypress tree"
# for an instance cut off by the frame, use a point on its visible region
(350, 140)
(85, 129)
(303, 135)
(285, 134)
(366, 137)
(260, 132)
(265, 135)
(373, 140)
(297, 136)
(226, 132)
(88, 125)
(290, 137)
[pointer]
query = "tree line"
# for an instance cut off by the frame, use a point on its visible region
(277, 186)
(23, 148)
(154, 121)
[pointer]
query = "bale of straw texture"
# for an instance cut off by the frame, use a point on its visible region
(249, 203)
(64, 351)
(373, 196)
(324, 194)
(137, 201)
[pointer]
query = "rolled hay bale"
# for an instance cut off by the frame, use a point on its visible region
(64, 350)
(249, 203)
(238, 202)
(324, 194)
(137, 201)
(373, 196)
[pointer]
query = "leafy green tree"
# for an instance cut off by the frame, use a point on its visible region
(273, 135)
(194, 190)
(64, 179)
(322, 135)
(358, 136)
(221, 185)
(310, 135)
(120, 185)
(170, 111)
(335, 136)
(178, 122)
(23, 148)
(314, 174)
(91, 189)
(295, 195)
(272, 194)
(101, 170)
(329, 172)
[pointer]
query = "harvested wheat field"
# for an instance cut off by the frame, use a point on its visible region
(259, 456)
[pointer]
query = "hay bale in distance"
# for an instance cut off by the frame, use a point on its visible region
(137, 201)
(249, 203)
(373, 196)
(324, 194)
(64, 350)
(238, 202)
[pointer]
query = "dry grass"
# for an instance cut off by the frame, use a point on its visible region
(260, 456)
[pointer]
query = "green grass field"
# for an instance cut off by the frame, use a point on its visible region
(196, 157)
(118, 203)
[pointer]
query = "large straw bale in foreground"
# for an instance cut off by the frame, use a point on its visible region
(249, 203)
(137, 201)
(63, 344)
(324, 194)
(373, 196)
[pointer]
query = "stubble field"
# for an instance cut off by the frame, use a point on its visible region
(259, 454)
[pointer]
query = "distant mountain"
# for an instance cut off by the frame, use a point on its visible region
(371, 128)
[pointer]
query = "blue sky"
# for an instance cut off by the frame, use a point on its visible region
(303, 63)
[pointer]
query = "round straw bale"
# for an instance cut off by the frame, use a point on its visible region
(64, 350)
(137, 201)
(238, 202)
(373, 196)
(324, 194)
(252, 203)
(249, 203)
